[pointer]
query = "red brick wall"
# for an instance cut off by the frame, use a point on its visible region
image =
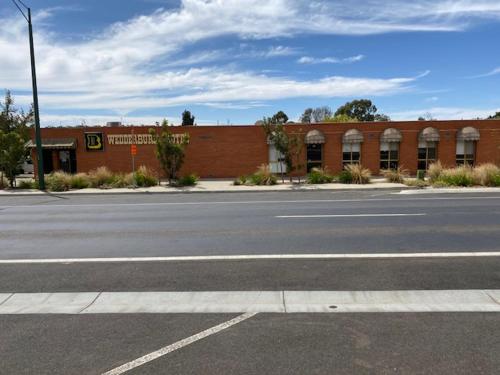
(229, 151)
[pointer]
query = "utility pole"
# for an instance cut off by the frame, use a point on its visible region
(38, 135)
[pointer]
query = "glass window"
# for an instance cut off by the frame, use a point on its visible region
(427, 152)
(276, 160)
(389, 155)
(351, 153)
(466, 152)
(314, 156)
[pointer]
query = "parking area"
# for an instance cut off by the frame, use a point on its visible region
(423, 343)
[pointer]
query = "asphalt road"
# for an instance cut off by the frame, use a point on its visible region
(245, 224)
(209, 224)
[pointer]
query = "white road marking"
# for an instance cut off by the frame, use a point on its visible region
(345, 215)
(280, 302)
(178, 345)
(159, 204)
(205, 258)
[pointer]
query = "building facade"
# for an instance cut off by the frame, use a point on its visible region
(230, 151)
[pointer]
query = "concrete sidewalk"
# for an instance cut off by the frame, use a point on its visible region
(218, 186)
(226, 186)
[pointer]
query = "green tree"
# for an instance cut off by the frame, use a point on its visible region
(187, 118)
(363, 110)
(170, 150)
(306, 117)
(315, 115)
(280, 117)
(496, 116)
(340, 118)
(14, 133)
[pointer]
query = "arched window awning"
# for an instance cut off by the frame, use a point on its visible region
(468, 134)
(315, 137)
(352, 136)
(429, 135)
(391, 135)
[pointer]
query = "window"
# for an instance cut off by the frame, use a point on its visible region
(466, 152)
(389, 155)
(276, 160)
(427, 154)
(351, 153)
(314, 156)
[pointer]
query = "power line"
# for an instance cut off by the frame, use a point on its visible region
(18, 7)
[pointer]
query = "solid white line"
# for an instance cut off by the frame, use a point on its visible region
(178, 345)
(341, 216)
(253, 257)
(159, 204)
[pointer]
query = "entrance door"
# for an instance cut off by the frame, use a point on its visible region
(48, 164)
(314, 156)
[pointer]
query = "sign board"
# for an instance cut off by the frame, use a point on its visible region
(133, 150)
(139, 139)
(94, 142)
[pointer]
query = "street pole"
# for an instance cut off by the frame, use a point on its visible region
(38, 135)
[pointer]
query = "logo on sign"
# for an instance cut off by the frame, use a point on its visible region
(94, 141)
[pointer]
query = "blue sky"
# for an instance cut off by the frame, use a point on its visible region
(235, 61)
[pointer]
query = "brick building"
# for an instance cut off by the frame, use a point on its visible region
(229, 151)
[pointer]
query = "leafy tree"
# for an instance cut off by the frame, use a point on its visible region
(495, 116)
(363, 110)
(170, 150)
(306, 117)
(314, 115)
(14, 133)
(187, 118)
(276, 134)
(289, 146)
(321, 113)
(382, 117)
(280, 118)
(341, 118)
(426, 117)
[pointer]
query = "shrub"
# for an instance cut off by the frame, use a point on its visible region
(188, 180)
(263, 176)
(80, 181)
(242, 180)
(102, 177)
(345, 177)
(395, 175)
(3, 182)
(25, 184)
(145, 177)
(487, 175)
(58, 181)
(358, 174)
(418, 183)
(434, 171)
(461, 176)
(319, 176)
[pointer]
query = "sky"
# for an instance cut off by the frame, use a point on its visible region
(236, 61)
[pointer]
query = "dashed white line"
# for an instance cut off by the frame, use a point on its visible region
(178, 345)
(344, 216)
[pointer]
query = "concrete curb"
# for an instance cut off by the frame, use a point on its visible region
(176, 192)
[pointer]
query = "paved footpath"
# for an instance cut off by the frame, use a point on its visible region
(323, 282)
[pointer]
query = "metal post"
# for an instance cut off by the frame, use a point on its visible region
(38, 135)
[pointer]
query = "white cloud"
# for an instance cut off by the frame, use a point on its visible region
(494, 72)
(330, 60)
(445, 113)
(131, 65)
